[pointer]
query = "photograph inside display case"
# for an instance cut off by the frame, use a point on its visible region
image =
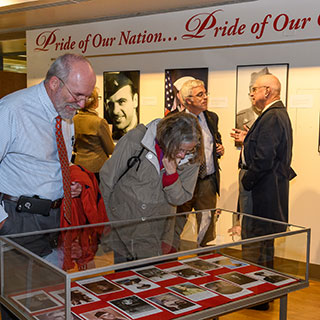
(166, 290)
(202, 280)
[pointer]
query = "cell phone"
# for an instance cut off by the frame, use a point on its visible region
(34, 205)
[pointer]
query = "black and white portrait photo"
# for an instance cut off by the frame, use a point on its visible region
(174, 79)
(121, 101)
(246, 113)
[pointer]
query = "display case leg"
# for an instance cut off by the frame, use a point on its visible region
(283, 307)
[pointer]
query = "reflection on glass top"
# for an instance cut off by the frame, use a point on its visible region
(93, 246)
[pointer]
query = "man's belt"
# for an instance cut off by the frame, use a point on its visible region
(55, 204)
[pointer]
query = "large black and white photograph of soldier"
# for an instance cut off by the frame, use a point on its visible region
(121, 101)
(174, 79)
(246, 113)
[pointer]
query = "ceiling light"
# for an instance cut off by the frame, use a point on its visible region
(4, 3)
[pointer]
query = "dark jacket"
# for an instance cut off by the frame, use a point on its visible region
(212, 122)
(268, 153)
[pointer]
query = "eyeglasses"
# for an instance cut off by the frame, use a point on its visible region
(201, 95)
(188, 152)
(254, 89)
(76, 97)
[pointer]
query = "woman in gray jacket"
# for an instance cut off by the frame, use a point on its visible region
(153, 169)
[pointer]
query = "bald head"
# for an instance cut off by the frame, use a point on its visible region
(265, 90)
(271, 81)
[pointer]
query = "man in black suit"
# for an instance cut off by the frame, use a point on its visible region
(266, 160)
(195, 101)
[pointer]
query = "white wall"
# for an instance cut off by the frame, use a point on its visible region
(304, 74)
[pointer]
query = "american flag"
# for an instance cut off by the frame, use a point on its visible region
(169, 94)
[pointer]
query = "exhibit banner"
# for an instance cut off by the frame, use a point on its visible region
(219, 26)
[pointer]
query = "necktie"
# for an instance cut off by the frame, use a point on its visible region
(202, 170)
(64, 161)
(203, 166)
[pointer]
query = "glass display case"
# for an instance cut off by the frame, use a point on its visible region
(153, 268)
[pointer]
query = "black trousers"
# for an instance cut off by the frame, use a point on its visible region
(259, 252)
(204, 197)
(20, 222)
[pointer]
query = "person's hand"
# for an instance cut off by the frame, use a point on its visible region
(235, 231)
(170, 165)
(220, 149)
(239, 135)
(76, 189)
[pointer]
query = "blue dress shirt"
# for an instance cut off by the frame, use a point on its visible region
(29, 162)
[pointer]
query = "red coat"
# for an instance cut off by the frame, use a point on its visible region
(79, 246)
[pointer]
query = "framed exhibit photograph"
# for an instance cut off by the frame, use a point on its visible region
(121, 100)
(174, 79)
(246, 114)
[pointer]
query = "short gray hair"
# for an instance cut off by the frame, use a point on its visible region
(186, 89)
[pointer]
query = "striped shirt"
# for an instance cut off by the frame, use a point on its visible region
(29, 162)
